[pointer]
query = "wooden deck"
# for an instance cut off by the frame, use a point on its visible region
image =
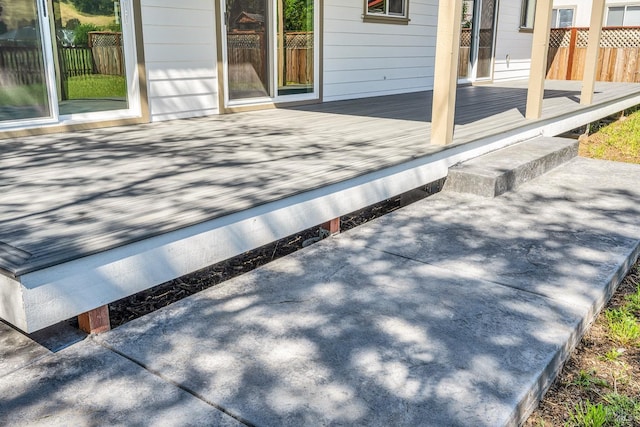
(72, 195)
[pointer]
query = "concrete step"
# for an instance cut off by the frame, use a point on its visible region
(504, 170)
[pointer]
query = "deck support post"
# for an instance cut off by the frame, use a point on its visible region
(593, 48)
(333, 226)
(95, 321)
(445, 79)
(539, 53)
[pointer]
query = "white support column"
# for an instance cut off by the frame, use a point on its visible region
(539, 52)
(445, 79)
(593, 48)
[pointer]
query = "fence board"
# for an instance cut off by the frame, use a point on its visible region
(21, 65)
(617, 59)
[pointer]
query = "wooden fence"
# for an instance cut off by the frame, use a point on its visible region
(248, 47)
(23, 65)
(108, 56)
(75, 61)
(485, 51)
(618, 59)
(465, 52)
(299, 58)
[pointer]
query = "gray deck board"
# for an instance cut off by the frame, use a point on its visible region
(70, 195)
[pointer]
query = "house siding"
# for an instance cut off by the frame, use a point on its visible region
(372, 59)
(582, 17)
(180, 55)
(513, 47)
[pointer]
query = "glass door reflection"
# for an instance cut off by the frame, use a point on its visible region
(23, 76)
(295, 47)
(247, 24)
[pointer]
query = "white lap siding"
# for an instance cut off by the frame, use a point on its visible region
(513, 46)
(180, 55)
(371, 59)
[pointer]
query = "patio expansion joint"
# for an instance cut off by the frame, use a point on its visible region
(470, 276)
(175, 384)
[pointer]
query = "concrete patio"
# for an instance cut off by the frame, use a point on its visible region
(457, 310)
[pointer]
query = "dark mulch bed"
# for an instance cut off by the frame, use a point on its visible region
(142, 303)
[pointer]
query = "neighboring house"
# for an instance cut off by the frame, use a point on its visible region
(198, 57)
(577, 13)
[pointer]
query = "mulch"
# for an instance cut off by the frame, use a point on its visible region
(137, 305)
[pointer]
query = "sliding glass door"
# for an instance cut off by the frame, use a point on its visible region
(485, 38)
(248, 49)
(66, 60)
(23, 73)
(477, 40)
(90, 56)
(270, 50)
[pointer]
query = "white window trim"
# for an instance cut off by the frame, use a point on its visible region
(386, 18)
(557, 21)
(616, 5)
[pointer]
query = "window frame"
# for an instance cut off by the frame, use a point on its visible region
(624, 13)
(386, 18)
(526, 21)
(555, 23)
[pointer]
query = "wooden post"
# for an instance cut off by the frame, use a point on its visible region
(593, 47)
(445, 79)
(333, 226)
(539, 52)
(572, 52)
(95, 321)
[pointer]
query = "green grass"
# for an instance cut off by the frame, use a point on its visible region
(586, 414)
(97, 86)
(587, 380)
(81, 87)
(615, 410)
(619, 141)
(623, 410)
(613, 355)
(633, 302)
(623, 326)
(21, 96)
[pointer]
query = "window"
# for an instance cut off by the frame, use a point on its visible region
(386, 11)
(528, 14)
(623, 16)
(562, 18)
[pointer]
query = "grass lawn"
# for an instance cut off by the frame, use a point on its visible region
(620, 141)
(81, 87)
(600, 383)
(22, 96)
(68, 11)
(97, 86)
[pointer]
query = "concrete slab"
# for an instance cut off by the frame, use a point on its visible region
(332, 335)
(17, 350)
(506, 169)
(568, 235)
(455, 311)
(87, 385)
